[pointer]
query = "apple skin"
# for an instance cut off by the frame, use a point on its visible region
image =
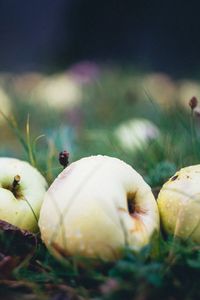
(179, 204)
(85, 211)
(22, 210)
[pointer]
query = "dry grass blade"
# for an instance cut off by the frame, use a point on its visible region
(31, 153)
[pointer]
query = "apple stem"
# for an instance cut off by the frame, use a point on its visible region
(15, 184)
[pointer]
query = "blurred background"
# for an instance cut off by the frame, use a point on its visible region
(49, 35)
(109, 77)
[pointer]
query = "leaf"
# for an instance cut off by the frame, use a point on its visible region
(62, 292)
(7, 265)
(15, 241)
(193, 263)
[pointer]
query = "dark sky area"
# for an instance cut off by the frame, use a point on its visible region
(51, 34)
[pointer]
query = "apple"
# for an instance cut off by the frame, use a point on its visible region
(5, 105)
(22, 190)
(160, 88)
(187, 90)
(136, 133)
(23, 84)
(95, 207)
(179, 204)
(60, 92)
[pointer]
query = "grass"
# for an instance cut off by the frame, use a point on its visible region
(166, 269)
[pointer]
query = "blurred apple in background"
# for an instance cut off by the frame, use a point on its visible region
(64, 91)
(5, 105)
(136, 134)
(187, 90)
(24, 84)
(22, 190)
(160, 88)
(179, 204)
(59, 92)
(97, 206)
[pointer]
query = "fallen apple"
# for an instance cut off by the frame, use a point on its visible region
(187, 89)
(159, 88)
(59, 92)
(179, 204)
(135, 134)
(95, 207)
(5, 105)
(22, 190)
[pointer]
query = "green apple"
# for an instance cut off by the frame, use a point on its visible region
(95, 207)
(179, 204)
(22, 190)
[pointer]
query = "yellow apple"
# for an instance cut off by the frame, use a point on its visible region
(160, 88)
(187, 90)
(60, 92)
(95, 207)
(179, 204)
(22, 190)
(5, 105)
